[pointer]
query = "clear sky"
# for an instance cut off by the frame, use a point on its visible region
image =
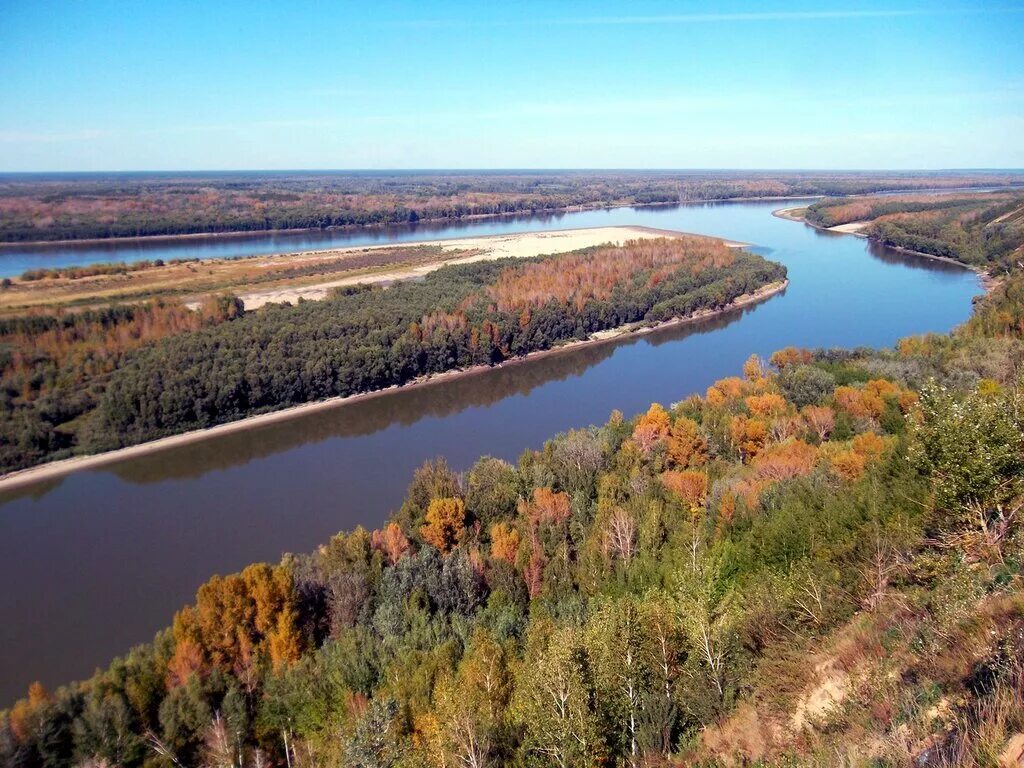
(91, 85)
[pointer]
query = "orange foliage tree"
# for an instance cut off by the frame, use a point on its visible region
(685, 446)
(793, 458)
(769, 404)
(391, 542)
(790, 356)
(819, 418)
(446, 521)
(725, 390)
(748, 434)
(651, 428)
(690, 486)
(504, 542)
(252, 611)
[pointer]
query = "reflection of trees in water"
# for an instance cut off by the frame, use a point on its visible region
(892, 256)
(403, 407)
(35, 491)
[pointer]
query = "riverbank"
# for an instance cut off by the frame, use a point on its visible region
(60, 468)
(987, 281)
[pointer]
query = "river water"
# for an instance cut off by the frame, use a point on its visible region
(99, 560)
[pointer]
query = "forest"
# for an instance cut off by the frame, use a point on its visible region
(101, 379)
(815, 562)
(35, 207)
(984, 230)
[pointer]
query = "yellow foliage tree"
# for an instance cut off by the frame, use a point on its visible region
(446, 521)
(686, 447)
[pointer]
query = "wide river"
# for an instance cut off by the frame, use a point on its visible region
(100, 560)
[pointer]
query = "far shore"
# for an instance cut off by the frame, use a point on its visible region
(57, 469)
(988, 281)
(376, 227)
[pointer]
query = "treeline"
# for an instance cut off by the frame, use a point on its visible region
(983, 230)
(110, 206)
(684, 587)
(94, 380)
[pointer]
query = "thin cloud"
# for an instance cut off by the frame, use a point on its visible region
(51, 137)
(703, 18)
(712, 18)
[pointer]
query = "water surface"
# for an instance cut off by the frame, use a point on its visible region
(100, 560)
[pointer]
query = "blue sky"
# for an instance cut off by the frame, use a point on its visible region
(89, 85)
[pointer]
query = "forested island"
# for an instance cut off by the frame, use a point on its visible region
(100, 379)
(51, 207)
(818, 561)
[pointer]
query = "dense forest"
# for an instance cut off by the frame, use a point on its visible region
(818, 562)
(53, 207)
(96, 380)
(983, 230)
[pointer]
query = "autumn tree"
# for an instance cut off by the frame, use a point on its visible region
(821, 419)
(651, 428)
(445, 526)
(504, 542)
(392, 542)
(686, 447)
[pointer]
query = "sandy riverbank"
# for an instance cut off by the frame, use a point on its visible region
(512, 246)
(57, 469)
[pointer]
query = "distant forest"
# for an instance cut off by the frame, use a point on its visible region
(102, 379)
(85, 206)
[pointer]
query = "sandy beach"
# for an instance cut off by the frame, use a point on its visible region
(57, 469)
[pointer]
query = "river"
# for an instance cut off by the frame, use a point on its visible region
(100, 560)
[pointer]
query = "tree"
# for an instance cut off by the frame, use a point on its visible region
(492, 491)
(686, 447)
(651, 428)
(470, 707)
(554, 698)
(621, 534)
(374, 743)
(504, 542)
(391, 542)
(445, 523)
(707, 618)
(972, 447)
(623, 662)
(820, 418)
(806, 385)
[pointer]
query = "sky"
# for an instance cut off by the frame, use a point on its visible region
(87, 85)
